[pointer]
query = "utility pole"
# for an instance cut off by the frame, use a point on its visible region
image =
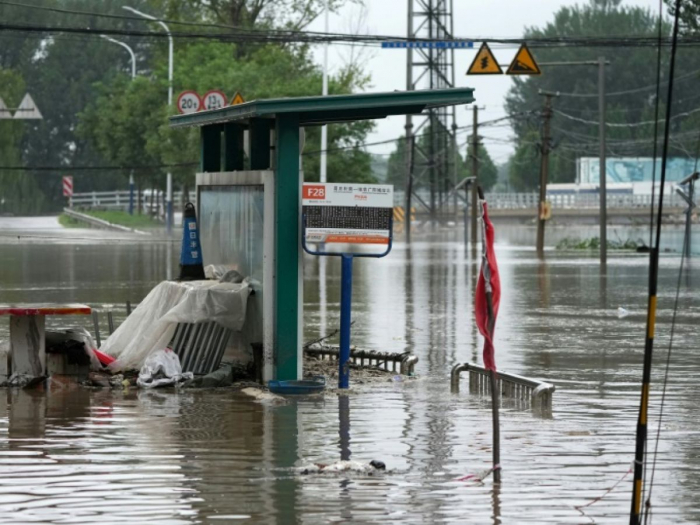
(475, 172)
(602, 216)
(544, 170)
(409, 130)
(324, 90)
(603, 171)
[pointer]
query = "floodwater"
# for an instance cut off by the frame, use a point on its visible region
(218, 457)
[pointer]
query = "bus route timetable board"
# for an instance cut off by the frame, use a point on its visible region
(347, 214)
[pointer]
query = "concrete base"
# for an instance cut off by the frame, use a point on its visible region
(28, 345)
(58, 365)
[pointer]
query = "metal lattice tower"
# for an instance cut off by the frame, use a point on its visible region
(432, 162)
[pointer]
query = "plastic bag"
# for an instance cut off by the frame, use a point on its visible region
(162, 368)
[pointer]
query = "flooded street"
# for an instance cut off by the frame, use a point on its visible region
(97, 456)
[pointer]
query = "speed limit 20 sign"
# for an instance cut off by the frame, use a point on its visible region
(188, 102)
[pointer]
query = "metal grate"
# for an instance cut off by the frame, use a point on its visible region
(387, 361)
(200, 346)
(537, 393)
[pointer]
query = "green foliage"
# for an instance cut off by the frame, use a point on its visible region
(524, 166)
(631, 69)
(94, 115)
(19, 191)
(397, 164)
(128, 123)
(593, 243)
(124, 219)
(487, 170)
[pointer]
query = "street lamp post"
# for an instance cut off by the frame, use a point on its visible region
(169, 184)
(131, 52)
(133, 76)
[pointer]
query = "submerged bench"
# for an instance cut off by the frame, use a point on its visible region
(538, 393)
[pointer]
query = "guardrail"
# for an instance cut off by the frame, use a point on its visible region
(538, 393)
(386, 361)
(119, 200)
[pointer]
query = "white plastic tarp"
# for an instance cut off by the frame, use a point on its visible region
(151, 325)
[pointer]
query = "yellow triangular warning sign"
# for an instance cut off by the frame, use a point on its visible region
(523, 63)
(237, 99)
(484, 63)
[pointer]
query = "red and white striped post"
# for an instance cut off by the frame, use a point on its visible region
(68, 189)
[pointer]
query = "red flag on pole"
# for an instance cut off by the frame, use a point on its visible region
(488, 290)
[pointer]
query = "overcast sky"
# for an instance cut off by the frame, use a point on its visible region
(472, 19)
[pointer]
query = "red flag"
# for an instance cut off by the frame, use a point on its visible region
(489, 284)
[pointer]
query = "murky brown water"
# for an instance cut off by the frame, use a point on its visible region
(217, 457)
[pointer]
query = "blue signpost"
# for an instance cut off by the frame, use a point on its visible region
(343, 219)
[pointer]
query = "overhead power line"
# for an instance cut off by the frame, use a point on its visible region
(290, 36)
(462, 129)
(624, 125)
(695, 73)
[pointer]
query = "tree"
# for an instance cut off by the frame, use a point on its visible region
(488, 173)
(397, 164)
(292, 14)
(19, 190)
(630, 85)
(128, 123)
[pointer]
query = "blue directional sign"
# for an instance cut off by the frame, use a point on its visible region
(432, 44)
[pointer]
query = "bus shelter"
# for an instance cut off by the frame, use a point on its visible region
(249, 198)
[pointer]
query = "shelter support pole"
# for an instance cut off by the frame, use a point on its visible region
(233, 147)
(259, 144)
(211, 148)
(345, 321)
(288, 282)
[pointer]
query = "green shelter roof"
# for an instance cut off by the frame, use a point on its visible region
(335, 108)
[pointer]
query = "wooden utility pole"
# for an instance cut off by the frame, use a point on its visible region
(603, 171)
(475, 173)
(544, 169)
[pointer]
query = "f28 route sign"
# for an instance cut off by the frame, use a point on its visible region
(341, 215)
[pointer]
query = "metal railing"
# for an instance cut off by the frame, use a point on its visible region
(509, 201)
(517, 201)
(386, 361)
(119, 200)
(537, 393)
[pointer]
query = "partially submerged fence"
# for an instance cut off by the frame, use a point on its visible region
(387, 361)
(189, 338)
(537, 393)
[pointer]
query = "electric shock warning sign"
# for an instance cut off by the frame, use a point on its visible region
(348, 214)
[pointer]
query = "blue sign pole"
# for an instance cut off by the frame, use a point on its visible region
(345, 320)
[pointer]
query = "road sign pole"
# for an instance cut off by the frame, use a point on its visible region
(345, 320)
(169, 203)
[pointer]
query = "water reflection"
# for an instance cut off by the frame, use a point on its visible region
(192, 457)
